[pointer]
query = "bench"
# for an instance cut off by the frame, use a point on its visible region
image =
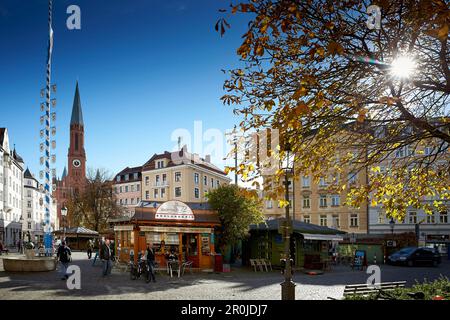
(366, 289)
(261, 264)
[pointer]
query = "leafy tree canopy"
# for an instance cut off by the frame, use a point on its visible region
(331, 85)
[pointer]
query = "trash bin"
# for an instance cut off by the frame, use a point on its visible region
(218, 263)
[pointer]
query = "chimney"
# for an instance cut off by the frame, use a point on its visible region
(208, 158)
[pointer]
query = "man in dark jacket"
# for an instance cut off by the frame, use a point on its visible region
(64, 255)
(151, 262)
(105, 256)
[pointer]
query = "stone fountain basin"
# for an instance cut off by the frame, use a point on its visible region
(22, 264)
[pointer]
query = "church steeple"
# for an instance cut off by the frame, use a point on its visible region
(77, 114)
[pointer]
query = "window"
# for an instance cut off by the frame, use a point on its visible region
(126, 188)
(132, 188)
(205, 180)
(352, 177)
(413, 217)
(115, 190)
(212, 183)
(336, 221)
(306, 202)
(306, 219)
(157, 180)
(269, 204)
(121, 201)
(136, 175)
(380, 217)
(29, 204)
(138, 188)
(29, 193)
(178, 192)
(305, 182)
(137, 200)
(147, 180)
(431, 218)
(160, 164)
(196, 178)
(155, 193)
(127, 177)
(177, 176)
(120, 189)
(164, 177)
(196, 193)
(322, 182)
(428, 151)
(132, 200)
(400, 152)
(147, 195)
(29, 225)
(323, 201)
(335, 200)
(29, 215)
(217, 183)
(443, 217)
(323, 220)
(353, 220)
(126, 201)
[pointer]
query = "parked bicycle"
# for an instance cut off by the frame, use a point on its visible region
(141, 268)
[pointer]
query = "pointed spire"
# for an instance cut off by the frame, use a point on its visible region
(64, 174)
(77, 114)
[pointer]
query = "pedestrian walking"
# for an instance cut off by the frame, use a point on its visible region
(90, 248)
(64, 256)
(151, 262)
(105, 256)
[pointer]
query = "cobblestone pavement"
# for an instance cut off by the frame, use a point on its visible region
(240, 284)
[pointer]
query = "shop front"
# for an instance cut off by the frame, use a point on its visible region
(173, 228)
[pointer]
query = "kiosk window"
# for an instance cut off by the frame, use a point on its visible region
(153, 237)
(172, 239)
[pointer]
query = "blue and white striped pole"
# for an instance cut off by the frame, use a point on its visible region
(48, 241)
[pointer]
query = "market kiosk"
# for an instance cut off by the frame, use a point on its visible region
(173, 227)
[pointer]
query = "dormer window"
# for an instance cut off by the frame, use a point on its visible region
(160, 164)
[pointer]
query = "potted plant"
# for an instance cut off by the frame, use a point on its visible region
(29, 250)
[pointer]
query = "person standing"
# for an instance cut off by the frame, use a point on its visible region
(151, 262)
(64, 255)
(105, 256)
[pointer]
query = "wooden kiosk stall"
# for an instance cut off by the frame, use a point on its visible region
(186, 230)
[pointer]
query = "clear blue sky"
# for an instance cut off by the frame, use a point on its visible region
(145, 68)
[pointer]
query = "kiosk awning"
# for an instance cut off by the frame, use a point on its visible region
(326, 237)
(123, 228)
(176, 229)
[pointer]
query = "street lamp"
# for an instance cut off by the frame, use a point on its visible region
(288, 286)
(392, 226)
(64, 214)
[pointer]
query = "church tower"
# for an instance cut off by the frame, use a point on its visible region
(76, 156)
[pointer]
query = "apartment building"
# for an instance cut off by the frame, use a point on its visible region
(127, 186)
(180, 176)
(11, 192)
(317, 202)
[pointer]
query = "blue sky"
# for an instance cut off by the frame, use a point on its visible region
(145, 68)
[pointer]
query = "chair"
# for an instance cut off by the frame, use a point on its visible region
(186, 264)
(177, 266)
(260, 264)
(268, 263)
(253, 264)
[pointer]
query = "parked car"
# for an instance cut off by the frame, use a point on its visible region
(413, 256)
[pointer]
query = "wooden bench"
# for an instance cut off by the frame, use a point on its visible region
(366, 289)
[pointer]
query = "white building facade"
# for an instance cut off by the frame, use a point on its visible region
(11, 192)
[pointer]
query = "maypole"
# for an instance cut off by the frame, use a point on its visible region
(48, 239)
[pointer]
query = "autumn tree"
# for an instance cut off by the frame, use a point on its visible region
(238, 208)
(316, 72)
(95, 203)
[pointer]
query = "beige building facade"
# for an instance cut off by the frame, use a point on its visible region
(180, 176)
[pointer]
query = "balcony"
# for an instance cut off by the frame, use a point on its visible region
(159, 184)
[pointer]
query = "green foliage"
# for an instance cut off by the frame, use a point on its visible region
(438, 287)
(237, 208)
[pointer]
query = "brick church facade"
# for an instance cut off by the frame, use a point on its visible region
(73, 180)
